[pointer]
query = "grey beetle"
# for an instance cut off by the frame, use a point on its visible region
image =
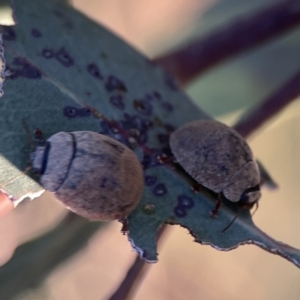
(93, 175)
(217, 157)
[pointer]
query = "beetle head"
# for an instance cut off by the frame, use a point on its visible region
(250, 196)
(244, 187)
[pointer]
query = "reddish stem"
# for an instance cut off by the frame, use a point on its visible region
(255, 118)
(241, 35)
(134, 275)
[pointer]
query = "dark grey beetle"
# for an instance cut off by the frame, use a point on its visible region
(217, 157)
(93, 175)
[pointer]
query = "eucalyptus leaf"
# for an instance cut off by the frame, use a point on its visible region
(67, 74)
(34, 260)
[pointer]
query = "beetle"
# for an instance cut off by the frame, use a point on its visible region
(92, 174)
(217, 157)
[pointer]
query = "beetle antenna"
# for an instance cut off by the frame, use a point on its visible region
(231, 222)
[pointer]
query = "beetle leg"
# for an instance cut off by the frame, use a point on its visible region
(214, 212)
(196, 187)
(164, 159)
(124, 229)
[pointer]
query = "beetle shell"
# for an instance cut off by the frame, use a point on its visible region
(218, 158)
(94, 175)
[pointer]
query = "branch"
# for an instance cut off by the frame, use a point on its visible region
(34, 260)
(192, 60)
(134, 275)
(269, 107)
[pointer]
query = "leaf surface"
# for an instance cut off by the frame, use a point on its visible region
(67, 74)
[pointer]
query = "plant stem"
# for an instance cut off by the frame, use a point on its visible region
(237, 37)
(134, 275)
(255, 118)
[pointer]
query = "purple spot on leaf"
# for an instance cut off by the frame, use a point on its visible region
(105, 128)
(64, 57)
(160, 190)
(167, 106)
(113, 83)
(150, 180)
(84, 112)
(179, 212)
(143, 107)
(26, 70)
(163, 138)
(185, 201)
(70, 112)
(169, 127)
(94, 70)
(157, 95)
(36, 33)
(48, 53)
(117, 101)
(148, 97)
(8, 33)
(150, 160)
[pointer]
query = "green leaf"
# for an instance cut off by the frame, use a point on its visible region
(34, 260)
(68, 74)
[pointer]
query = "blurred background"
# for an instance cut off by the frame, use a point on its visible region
(187, 270)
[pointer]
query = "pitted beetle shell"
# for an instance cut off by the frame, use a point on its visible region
(94, 175)
(218, 158)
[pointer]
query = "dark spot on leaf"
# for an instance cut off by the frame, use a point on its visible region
(8, 33)
(179, 212)
(185, 201)
(169, 127)
(157, 95)
(143, 107)
(36, 33)
(166, 152)
(167, 106)
(136, 122)
(117, 101)
(105, 128)
(163, 138)
(148, 97)
(70, 112)
(150, 180)
(113, 83)
(26, 70)
(94, 70)
(64, 57)
(150, 160)
(84, 112)
(48, 53)
(160, 190)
